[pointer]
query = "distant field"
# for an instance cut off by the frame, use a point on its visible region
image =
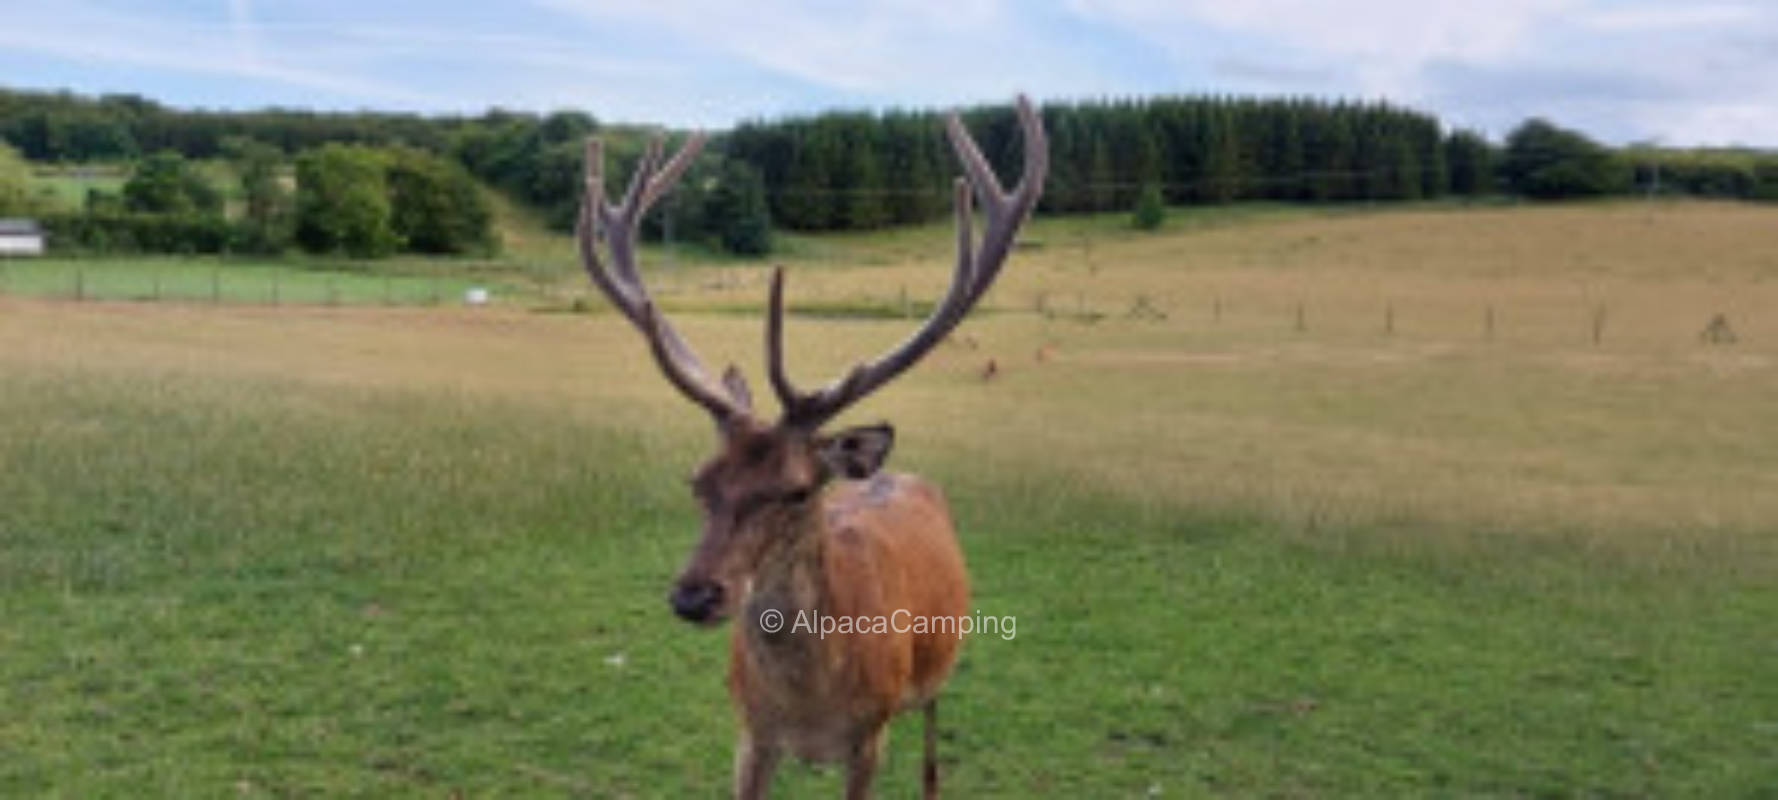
(245, 280)
(1375, 549)
(71, 184)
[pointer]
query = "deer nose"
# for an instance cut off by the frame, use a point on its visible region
(696, 601)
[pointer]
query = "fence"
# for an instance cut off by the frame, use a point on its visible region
(1069, 277)
(1284, 313)
(188, 282)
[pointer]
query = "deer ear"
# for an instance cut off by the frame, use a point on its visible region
(857, 453)
(737, 388)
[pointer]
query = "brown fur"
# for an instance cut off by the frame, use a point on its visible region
(860, 548)
(777, 536)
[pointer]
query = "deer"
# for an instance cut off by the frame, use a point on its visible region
(799, 521)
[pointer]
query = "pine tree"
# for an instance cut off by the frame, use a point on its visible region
(807, 193)
(1151, 209)
(1471, 159)
(1101, 181)
(1222, 156)
(737, 207)
(860, 187)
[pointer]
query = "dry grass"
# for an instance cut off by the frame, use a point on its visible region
(420, 552)
(1649, 436)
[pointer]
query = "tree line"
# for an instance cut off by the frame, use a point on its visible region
(68, 127)
(395, 173)
(849, 171)
(365, 183)
(353, 200)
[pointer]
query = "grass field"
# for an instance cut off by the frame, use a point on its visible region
(241, 280)
(69, 185)
(374, 551)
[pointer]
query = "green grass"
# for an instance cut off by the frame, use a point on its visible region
(69, 185)
(274, 588)
(418, 552)
(241, 280)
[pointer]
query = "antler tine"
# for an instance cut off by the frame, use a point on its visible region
(780, 380)
(676, 166)
(977, 266)
(620, 230)
(681, 367)
(622, 284)
(1005, 211)
(595, 220)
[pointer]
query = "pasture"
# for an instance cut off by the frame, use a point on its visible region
(1446, 501)
(70, 185)
(252, 281)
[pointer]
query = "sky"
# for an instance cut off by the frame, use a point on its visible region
(1675, 73)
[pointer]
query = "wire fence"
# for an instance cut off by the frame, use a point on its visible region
(1105, 301)
(217, 284)
(1282, 311)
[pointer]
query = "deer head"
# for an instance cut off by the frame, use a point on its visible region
(759, 493)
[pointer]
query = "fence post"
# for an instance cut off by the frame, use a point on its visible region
(1302, 323)
(1598, 324)
(157, 286)
(275, 288)
(1488, 323)
(79, 284)
(216, 286)
(1216, 309)
(1389, 319)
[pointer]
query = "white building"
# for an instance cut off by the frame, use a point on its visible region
(20, 237)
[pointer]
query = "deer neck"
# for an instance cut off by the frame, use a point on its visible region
(791, 580)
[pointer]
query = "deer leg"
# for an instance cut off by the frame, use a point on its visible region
(862, 767)
(929, 767)
(754, 763)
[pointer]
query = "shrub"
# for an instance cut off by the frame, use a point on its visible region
(342, 203)
(1151, 209)
(125, 232)
(1547, 162)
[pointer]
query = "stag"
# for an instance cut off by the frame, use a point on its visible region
(800, 524)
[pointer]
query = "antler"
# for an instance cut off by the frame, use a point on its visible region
(616, 226)
(977, 266)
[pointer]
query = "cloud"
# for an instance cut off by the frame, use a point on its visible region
(1622, 70)
(1632, 72)
(863, 49)
(240, 19)
(1691, 73)
(1382, 45)
(78, 33)
(1647, 18)
(882, 53)
(1278, 73)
